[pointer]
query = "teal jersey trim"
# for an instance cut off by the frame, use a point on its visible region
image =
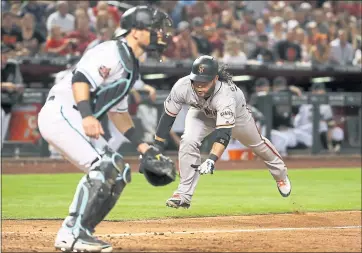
(61, 112)
(114, 84)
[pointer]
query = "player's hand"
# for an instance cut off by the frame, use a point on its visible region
(206, 167)
(92, 127)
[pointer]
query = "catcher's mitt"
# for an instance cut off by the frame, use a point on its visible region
(159, 170)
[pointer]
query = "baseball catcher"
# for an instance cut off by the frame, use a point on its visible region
(70, 122)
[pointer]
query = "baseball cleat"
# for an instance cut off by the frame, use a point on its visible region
(106, 247)
(284, 187)
(175, 202)
(66, 242)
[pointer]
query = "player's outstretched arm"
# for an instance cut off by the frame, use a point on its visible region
(163, 129)
(124, 124)
(222, 140)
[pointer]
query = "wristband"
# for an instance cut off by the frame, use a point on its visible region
(84, 108)
(159, 144)
(130, 134)
(213, 157)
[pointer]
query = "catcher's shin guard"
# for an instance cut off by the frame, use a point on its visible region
(121, 181)
(99, 190)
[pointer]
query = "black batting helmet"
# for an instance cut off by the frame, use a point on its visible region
(204, 69)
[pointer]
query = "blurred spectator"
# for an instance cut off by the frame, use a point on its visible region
(198, 9)
(332, 31)
(111, 10)
(277, 33)
(15, 9)
(11, 88)
(327, 7)
(312, 31)
(81, 34)
(320, 53)
(57, 43)
(306, 8)
(252, 38)
(302, 40)
(198, 34)
(342, 52)
(185, 47)
(266, 20)
(31, 38)
(289, 13)
(5, 6)
(103, 35)
(103, 20)
(38, 10)
(228, 21)
(248, 23)
(233, 53)
(357, 60)
(331, 135)
(301, 18)
(319, 18)
(61, 18)
(10, 34)
(262, 50)
(216, 36)
(178, 12)
(288, 50)
(355, 35)
(81, 13)
(84, 4)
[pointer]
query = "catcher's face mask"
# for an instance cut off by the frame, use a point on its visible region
(161, 32)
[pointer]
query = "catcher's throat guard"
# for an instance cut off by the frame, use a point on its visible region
(158, 169)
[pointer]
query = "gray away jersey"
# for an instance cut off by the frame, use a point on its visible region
(225, 105)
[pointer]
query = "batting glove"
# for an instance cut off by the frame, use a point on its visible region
(206, 167)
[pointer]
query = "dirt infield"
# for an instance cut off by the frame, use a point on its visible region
(298, 232)
(310, 232)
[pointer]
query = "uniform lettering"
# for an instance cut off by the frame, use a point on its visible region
(227, 113)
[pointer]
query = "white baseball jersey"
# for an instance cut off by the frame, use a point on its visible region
(225, 105)
(112, 70)
(305, 114)
(106, 71)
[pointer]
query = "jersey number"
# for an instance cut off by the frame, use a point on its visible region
(233, 88)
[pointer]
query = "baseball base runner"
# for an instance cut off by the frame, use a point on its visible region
(216, 104)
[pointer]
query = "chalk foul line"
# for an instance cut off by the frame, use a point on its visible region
(251, 230)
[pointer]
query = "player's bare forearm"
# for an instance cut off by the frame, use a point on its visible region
(124, 124)
(217, 149)
(122, 121)
(80, 91)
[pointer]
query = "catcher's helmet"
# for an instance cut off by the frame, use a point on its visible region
(204, 69)
(147, 18)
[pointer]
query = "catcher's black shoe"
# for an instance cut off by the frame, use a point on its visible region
(175, 202)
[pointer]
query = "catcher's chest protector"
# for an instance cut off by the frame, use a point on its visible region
(105, 97)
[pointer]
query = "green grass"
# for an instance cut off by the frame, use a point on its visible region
(224, 193)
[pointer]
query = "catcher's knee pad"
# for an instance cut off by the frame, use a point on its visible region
(103, 184)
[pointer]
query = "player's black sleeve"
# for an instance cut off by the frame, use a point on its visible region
(79, 77)
(223, 135)
(163, 128)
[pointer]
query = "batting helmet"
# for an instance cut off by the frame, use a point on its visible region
(147, 18)
(204, 69)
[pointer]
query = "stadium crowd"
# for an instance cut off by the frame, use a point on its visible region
(234, 31)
